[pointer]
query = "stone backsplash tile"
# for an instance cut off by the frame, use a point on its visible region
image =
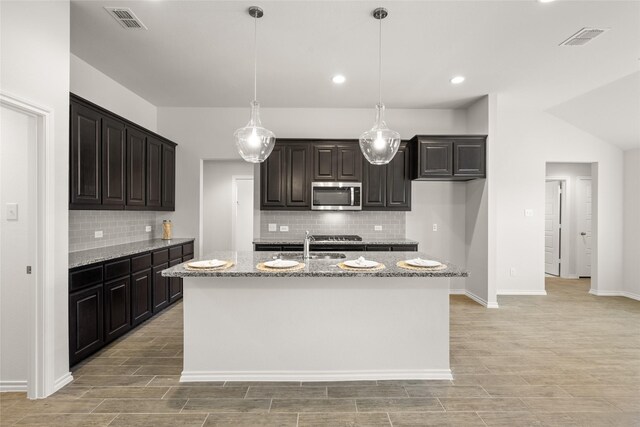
(360, 223)
(117, 227)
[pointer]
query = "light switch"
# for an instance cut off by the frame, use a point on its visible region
(147, 228)
(528, 212)
(435, 227)
(377, 227)
(12, 211)
(98, 234)
(284, 228)
(273, 227)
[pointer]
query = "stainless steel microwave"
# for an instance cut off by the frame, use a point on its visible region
(336, 196)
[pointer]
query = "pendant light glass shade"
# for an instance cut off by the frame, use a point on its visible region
(254, 142)
(379, 144)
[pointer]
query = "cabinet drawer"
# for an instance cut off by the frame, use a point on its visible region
(294, 248)
(84, 277)
(116, 269)
(380, 248)
(140, 262)
(404, 248)
(160, 257)
(187, 248)
(268, 247)
(187, 257)
(175, 253)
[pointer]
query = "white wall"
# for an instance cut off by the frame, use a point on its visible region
(34, 39)
(570, 232)
(632, 223)
(207, 133)
(97, 87)
(217, 202)
(526, 140)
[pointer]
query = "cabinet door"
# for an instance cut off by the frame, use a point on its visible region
(435, 158)
(469, 157)
(272, 180)
(141, 291)
(297, 175)
(113, 162)
(85, 157)
(175, 284)
(136, 167)
(86, 333)
(349, 162)
(168, 176)
(160, 288)
(325, 162)
(154, 172)
(399, 180)
(117, 308)
(374, 186)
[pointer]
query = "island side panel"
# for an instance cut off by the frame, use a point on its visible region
(306, 329)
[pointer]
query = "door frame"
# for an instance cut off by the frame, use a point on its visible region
(577, 236)
(565, 215)
(234, 208)
(41, 380)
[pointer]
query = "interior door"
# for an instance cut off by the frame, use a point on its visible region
(243, 214)
(552, 228)
(584, 226)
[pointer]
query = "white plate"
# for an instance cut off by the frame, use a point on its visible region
(210, 263)
(418, 262)
(281, 263)
(361, 263)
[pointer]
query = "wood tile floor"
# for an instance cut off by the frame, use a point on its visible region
(567, 359)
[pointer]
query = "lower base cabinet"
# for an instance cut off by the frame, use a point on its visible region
(106, 301)
(141, 291)
(258, 247)
(86, 333)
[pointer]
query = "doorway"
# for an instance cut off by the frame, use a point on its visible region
(553, 227)
(242, 213)
(584, 220)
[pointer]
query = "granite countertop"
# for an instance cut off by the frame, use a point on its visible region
(92, 256)
(245, 266)
(300, 241)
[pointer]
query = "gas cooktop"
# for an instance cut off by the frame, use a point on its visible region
(336, 238)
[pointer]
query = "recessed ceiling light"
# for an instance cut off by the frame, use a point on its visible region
(545, 1)
(339, 79)
(457, 80)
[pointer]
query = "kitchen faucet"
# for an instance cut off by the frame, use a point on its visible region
(307, 241)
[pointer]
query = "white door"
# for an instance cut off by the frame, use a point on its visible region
(552, 228)
(243, 214)
(584, 226)
(18, 133)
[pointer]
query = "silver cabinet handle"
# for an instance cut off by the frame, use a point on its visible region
(583, 234)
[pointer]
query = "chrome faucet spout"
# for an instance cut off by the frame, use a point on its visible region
(307, 241)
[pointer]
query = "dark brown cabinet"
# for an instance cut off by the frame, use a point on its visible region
(349, 162)
(325, 162)
(141, 292)
(86, 332)
(85, 157)
(273, 180)
(449, 157)
(388, 187)
(115, 164)
(175, 284)
(117, 308)
(298, 185)
(337, 247)
(160, 288)
(337, 161)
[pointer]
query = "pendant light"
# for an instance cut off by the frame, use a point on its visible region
(254, 142)
(379, 144)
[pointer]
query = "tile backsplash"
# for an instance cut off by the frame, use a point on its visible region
(360, 223)
(117, 227)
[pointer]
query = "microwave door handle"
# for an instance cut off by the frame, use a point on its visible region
(352, 196)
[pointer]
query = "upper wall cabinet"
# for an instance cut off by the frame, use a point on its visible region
(115, 164)
(458, 158)
(388, 187)
(337, 161)
(285, 177)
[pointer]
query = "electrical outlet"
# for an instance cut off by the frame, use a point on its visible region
(435, 227)
(377, 227)
(147, 228)
(12, 211)
(528, 212)
(284, 228)
(273, 227)
(98, 234)
(512, 271)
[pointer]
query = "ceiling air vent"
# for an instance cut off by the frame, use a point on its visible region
(126, 18)
(583, 36)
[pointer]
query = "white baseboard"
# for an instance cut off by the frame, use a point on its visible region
(626, 294)
(62, 381)
(480, 300)
(522, 292)
(15, 386)
(420, 374)
(569, 276)
(457, 291)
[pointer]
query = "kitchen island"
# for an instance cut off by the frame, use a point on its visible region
(320, 323)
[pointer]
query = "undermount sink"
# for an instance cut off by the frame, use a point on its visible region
(313, 255)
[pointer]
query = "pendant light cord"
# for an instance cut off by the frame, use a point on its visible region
(380, 63)
(255, 58)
